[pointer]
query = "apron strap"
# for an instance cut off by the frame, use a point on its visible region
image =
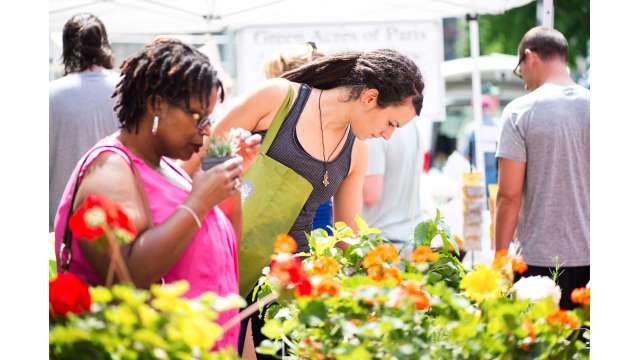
(277, 121)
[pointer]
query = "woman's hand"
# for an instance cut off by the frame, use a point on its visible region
(212, 186)
(248, 146)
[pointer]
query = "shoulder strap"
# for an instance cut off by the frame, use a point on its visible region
(66, 240)
(277, 121)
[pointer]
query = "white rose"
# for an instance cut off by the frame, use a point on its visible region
(536, 288)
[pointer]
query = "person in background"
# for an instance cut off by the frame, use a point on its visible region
(543, 181)
(164, 100)
(391, 189)
(491, 127)
(80, 104)
(275, 67)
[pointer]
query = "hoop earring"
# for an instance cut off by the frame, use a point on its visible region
(154, 128)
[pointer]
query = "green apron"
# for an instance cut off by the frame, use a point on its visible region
(274, 197)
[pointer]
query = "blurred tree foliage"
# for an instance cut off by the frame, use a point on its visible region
(502, 33)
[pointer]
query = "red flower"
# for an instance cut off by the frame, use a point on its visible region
(67, 293)
(88, 220)
(303, 288)
(288, 272)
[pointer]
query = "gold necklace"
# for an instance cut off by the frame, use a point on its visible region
(325, 178)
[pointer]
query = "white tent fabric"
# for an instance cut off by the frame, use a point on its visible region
(192, 16)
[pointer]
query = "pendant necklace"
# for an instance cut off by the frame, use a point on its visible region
(325, 178)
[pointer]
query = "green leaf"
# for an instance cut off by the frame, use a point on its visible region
(273, 329)
(359, 353)
(320, 241)
(364, 227)
(420, 233)
(425, 232)
(52, 269)
(353, 282)
(268, 347)
(314, 313)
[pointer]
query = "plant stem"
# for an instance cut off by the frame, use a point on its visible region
(116, 258)
(110, 272)
(248, 311)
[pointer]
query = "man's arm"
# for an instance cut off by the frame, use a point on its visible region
(510, 184)
(372, 190)
(374, 175)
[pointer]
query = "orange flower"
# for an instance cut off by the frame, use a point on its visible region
(458, 241)
(527, 324)
(500, 260)
(327, 286)
(378, 273)
(383, 253)
(372, 317)
(375, 272)
(285, 244)
(325, 265)
(518, 265)
(423, 254)
(355, 321)
(581, 296)
(415, 292)
(562, 317)
(393, 274)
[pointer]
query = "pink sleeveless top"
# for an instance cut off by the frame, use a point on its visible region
(210, 261)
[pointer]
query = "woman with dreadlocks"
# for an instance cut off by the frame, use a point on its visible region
(340, 101)
(165, 96)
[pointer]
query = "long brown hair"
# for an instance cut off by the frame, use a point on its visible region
(395, 76)
(85, 43)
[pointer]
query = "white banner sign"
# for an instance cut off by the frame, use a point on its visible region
(421, 41)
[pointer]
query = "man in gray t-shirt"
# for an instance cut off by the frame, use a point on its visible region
(392, 184)
(80, 104)
(544, 165)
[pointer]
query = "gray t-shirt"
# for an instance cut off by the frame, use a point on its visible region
(80, 113)
(549, 130)
(397, 211)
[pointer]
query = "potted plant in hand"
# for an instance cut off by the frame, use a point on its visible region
(220, 149)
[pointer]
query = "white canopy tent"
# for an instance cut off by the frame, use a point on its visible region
(142, 19)
(194, 16)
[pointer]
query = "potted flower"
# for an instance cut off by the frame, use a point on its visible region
(220, 149)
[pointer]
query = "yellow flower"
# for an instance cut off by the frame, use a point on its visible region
(482, 284)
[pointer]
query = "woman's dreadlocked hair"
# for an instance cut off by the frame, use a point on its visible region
(394, 75)
(165, 68)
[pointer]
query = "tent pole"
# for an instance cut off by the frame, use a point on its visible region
(474, 39)
(545, 13)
